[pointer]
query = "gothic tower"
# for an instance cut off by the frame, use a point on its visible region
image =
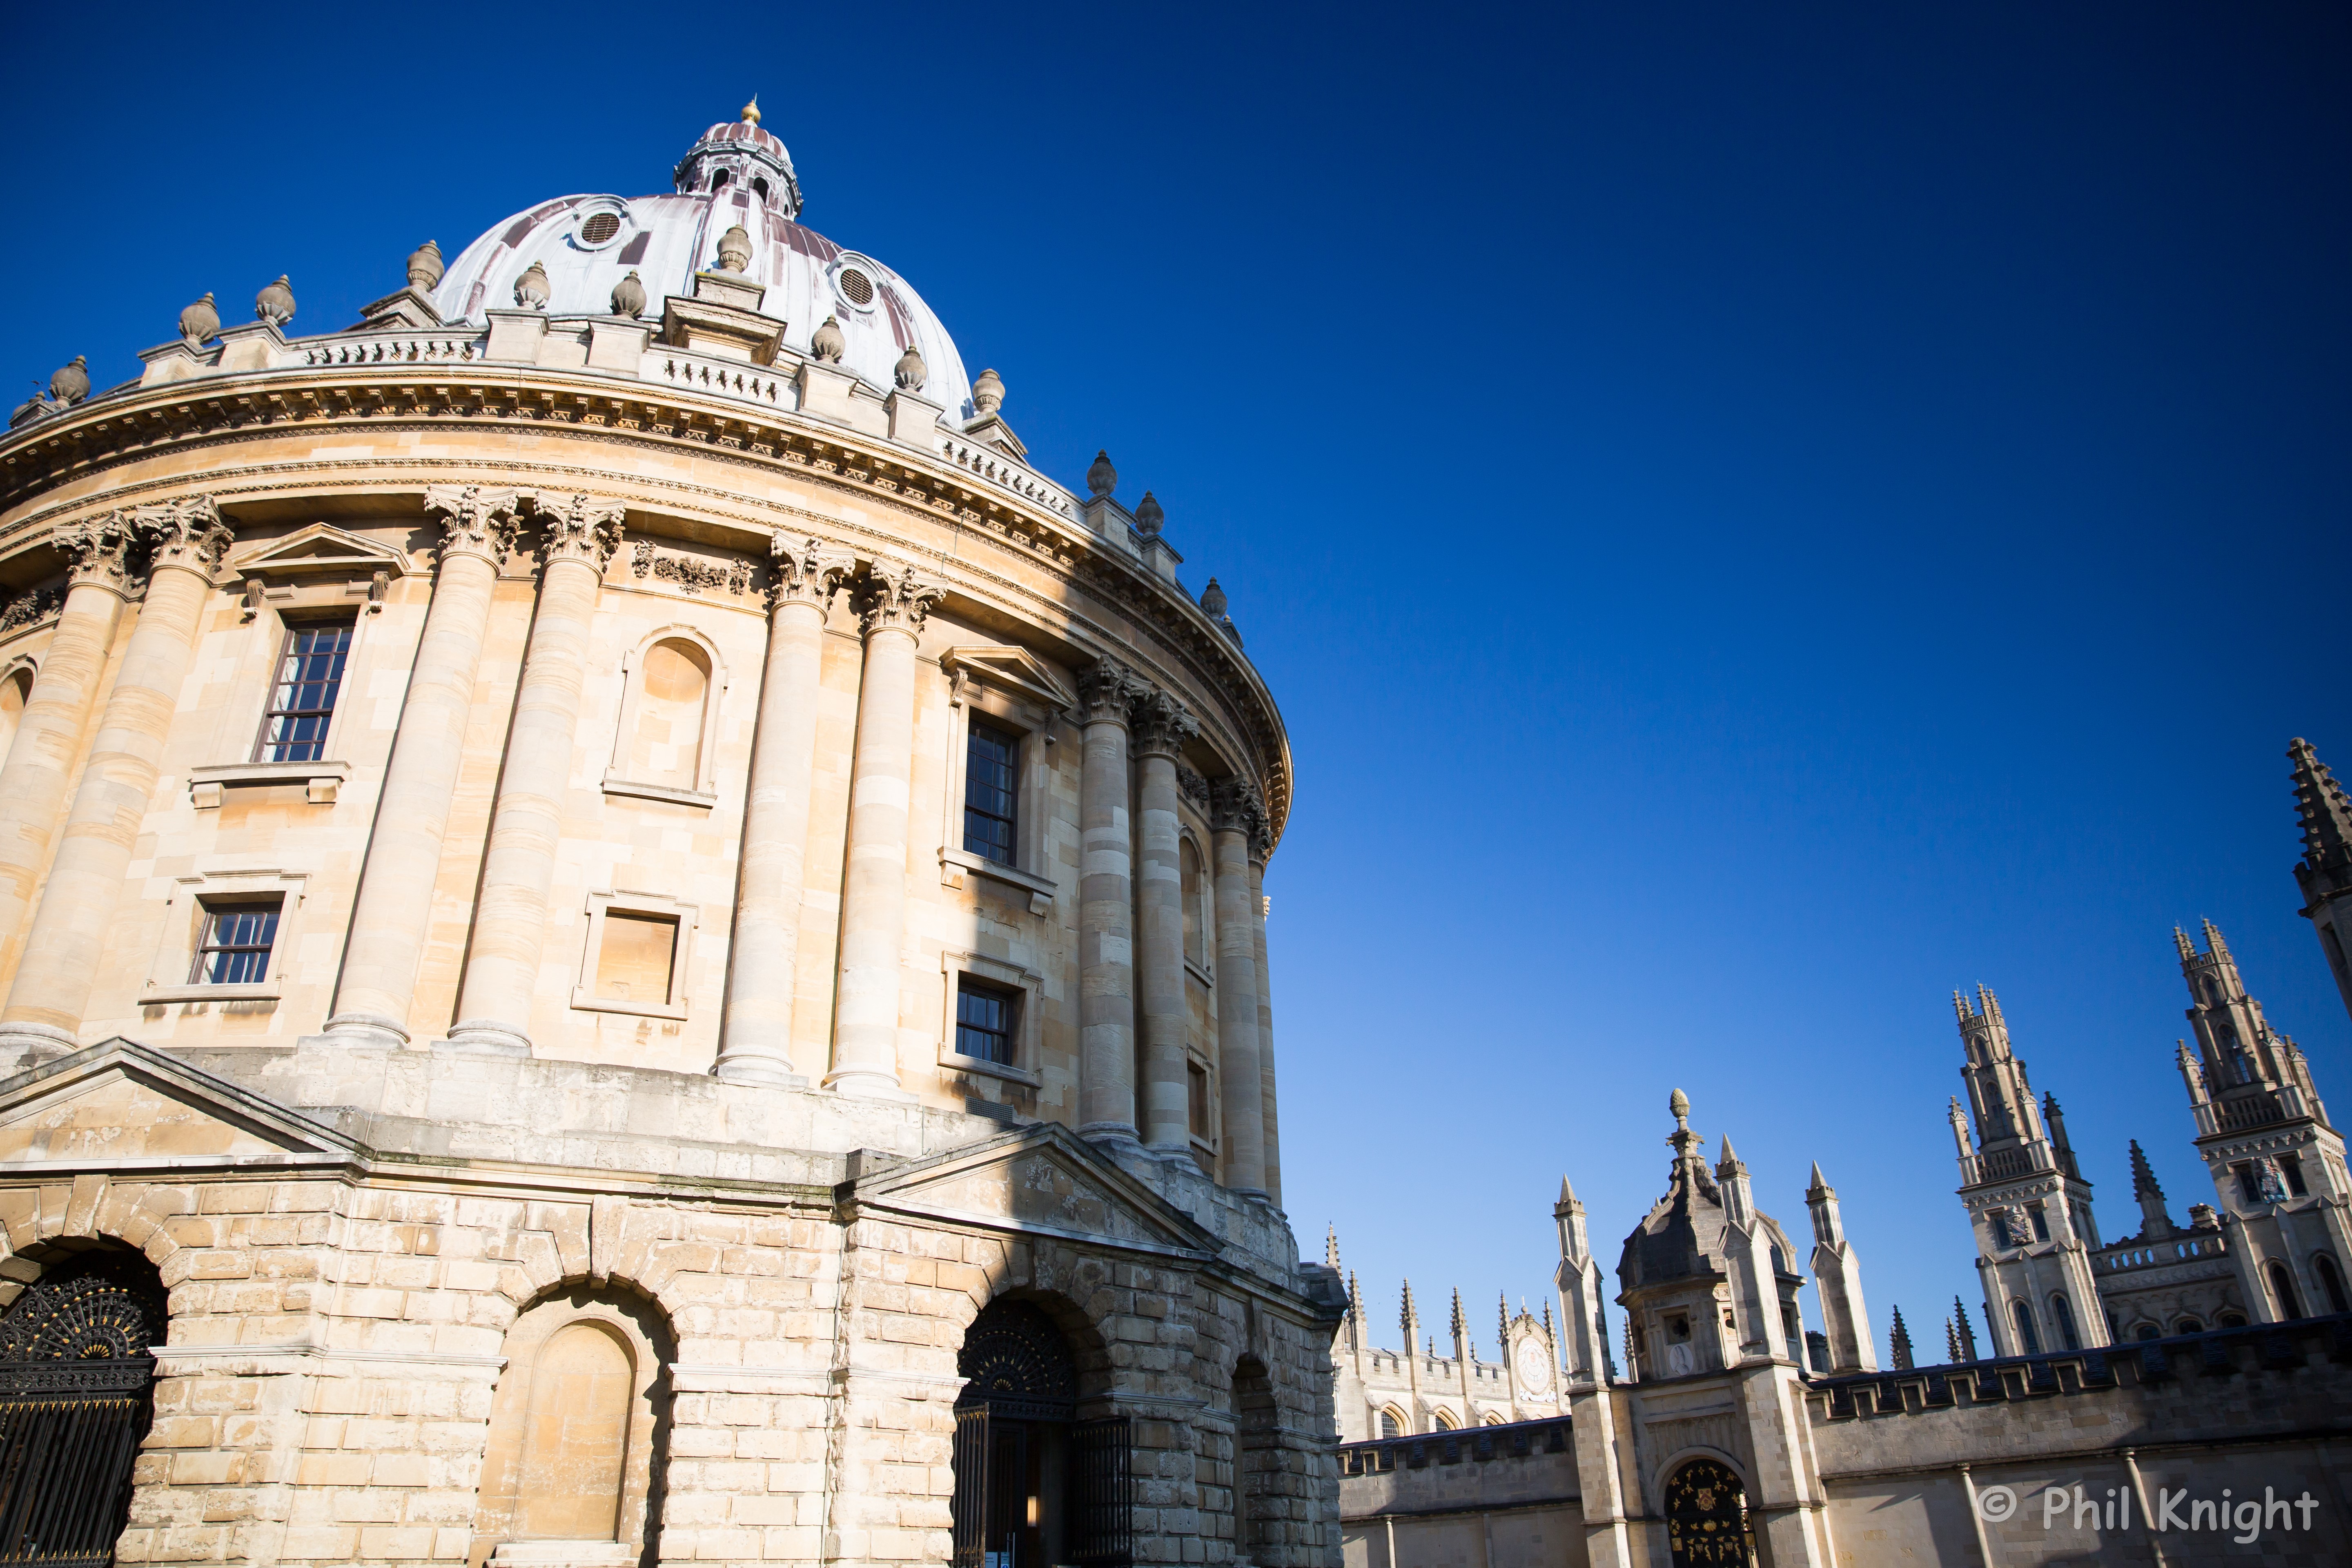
(2264, 1135)
(2028, 1202)
(2325, 874)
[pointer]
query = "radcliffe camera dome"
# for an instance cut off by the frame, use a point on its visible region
(736, 176)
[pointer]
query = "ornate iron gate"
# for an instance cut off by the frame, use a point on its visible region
(1102, 1478)
(76, 1395)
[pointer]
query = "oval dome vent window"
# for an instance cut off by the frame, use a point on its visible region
(856, 287)
(600, 227)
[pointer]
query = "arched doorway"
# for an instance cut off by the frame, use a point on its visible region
(1035, 1486)
(77, 1391)
(1706, 1517)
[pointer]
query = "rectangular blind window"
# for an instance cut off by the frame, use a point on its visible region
(234, 947)
(990, 757)
(983, 1024)
(634, 962)
(309, 675)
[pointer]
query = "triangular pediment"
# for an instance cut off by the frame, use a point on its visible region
(1043, 1179)
(1011, 670)
(322, 549)
(123, 1103)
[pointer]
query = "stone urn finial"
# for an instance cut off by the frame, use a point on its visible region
(734, 250)
(827, 343)
(987, 392)
(532, 290)
(1149, 518)
(1101, 477)
(629, 296)
(1679, 1103)
(71, 382)
(1212, 600)
(910, 370)
(275, 304)
(200, 321)
(425, 268)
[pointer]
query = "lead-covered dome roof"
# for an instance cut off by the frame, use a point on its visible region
(735, 175)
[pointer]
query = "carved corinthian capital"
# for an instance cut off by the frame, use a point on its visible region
(582, 528)
(1234, 808)
(185, 532)
(807, 571)
(474, 521)
(99, 551)
(892, 596)
(1107, 689)
(1160, 724)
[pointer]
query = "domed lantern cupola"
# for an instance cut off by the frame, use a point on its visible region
(737, 155)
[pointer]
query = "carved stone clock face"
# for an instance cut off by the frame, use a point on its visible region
(1533, 1366)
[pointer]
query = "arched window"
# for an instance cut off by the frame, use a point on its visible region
(2148, 1332)
(15, 691)
(1493, 1419)
(760, 188)
(2331, 1282)
(2064, 1315)
(2188, 1326)
(2283, 1292)
(578, 1423)
(1195, 923)
(2028, 1341)
(718, 179)
(1441, 1421)
(2230, 1321)
(669, 719)
(1391, 1423)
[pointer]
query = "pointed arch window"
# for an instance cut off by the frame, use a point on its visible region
(2028, 1341)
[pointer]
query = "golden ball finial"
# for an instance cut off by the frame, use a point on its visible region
(752, 110)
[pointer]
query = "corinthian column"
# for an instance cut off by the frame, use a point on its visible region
(1240, 1081)
(394, 902)
(755, 1033)
(892, 601)
(1105, 909)
(49, 737)
(1161, 727)
(69, 932)
(1261, 847)
(527, 823)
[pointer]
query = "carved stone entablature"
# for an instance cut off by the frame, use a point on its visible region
(1107, 689)
(580, 528)
(1161, 725)
(893, 596)
(185, 532)
(807, 570)
(474, 521)
(692, 575)
(1195, 786)
(100, 550)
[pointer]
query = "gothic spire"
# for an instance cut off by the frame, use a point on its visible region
(2326, 811)
(1331, 1248)
(1503, 1317)
(1901, 1341)
(2143, 1179)
(1456, 1324)
(1967, 1333)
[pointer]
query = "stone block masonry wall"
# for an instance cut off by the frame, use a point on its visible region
(340, 1316)
(2239, 1409)
(1492, 1495)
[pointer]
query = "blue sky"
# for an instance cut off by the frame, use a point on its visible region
(1754, 517)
